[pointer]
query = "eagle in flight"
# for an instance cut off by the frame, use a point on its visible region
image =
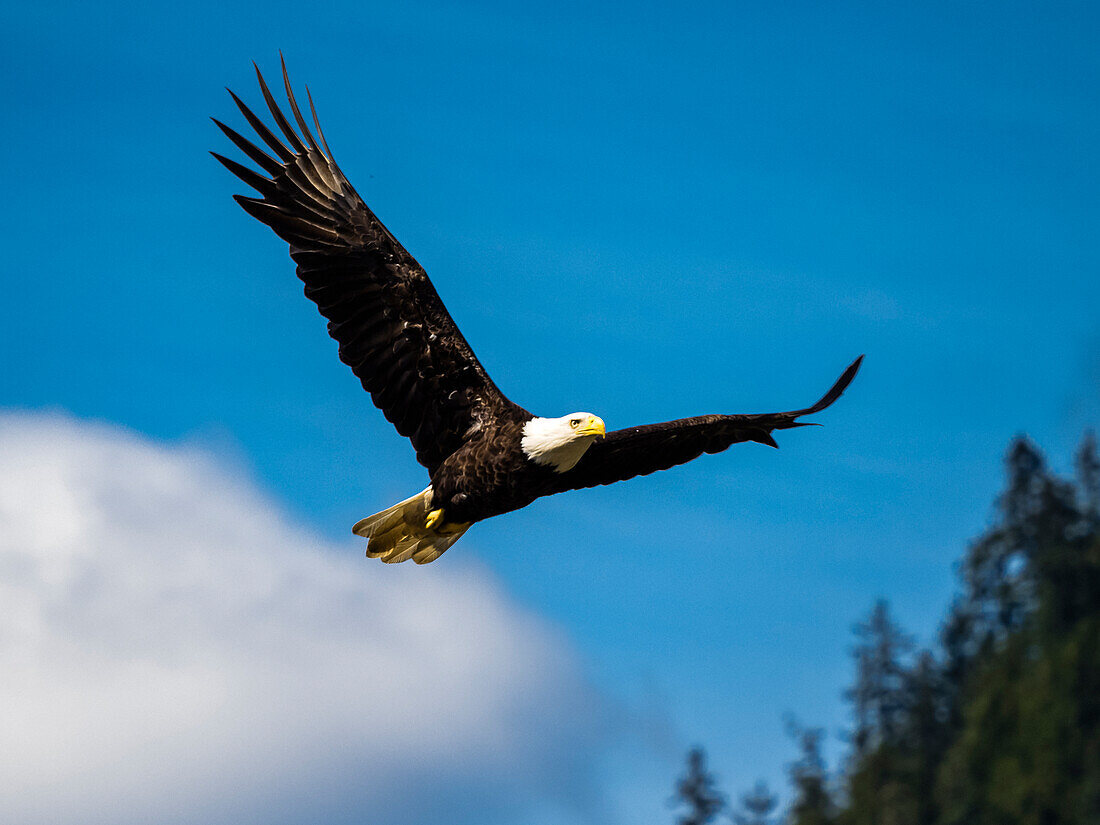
(485, 455)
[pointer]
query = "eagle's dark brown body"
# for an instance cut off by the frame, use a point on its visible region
(489, 475)
(400, 341)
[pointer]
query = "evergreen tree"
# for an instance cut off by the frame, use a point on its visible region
(1028, 749)
(812, 803)
(925, 736)
(996, 571)
(698, 792)
(1088, 478)
(1003, 728)
(880, 676)
(756, 806)
(878, 788)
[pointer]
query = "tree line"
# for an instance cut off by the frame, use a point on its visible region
(998, 722)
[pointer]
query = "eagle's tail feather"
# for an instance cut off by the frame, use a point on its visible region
(398, 533)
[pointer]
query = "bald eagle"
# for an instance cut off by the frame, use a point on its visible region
(485, 455)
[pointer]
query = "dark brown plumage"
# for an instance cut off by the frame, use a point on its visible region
(638, 451)
(393, 329)
(484, 454)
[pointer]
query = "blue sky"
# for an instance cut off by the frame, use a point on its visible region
(645, 211)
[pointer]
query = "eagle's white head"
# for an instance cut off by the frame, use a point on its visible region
(560, 442)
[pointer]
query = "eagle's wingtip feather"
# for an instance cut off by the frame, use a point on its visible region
(837, 389)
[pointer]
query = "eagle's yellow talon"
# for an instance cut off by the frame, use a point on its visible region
(434, 518)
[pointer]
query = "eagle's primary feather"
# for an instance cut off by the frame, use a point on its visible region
(485, 455)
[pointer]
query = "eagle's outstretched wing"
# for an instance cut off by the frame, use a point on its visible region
(392, 327)
(637, 451)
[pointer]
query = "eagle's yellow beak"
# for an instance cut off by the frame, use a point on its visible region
(593, 426)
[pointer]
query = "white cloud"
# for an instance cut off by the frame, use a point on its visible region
(173, 650)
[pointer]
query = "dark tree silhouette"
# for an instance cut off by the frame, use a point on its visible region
(1027, 749)
(880, 677)
(1088, 477)
(1001, 724)
(697, 792)
(756, 806)
(812, 803)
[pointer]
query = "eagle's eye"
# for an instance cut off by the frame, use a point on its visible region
(576, 422)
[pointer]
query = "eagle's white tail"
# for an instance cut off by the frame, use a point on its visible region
(399, 533)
